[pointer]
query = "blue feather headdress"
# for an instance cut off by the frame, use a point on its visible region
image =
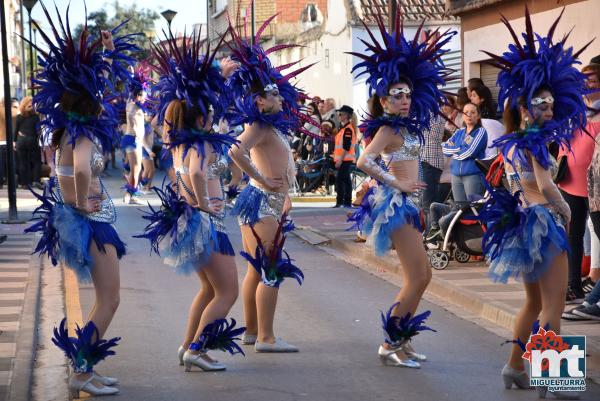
(255, 67)
(220, 335)
(397, 59)
(275, 264)
(540, 62)
(85, 350)
(399, 330)
(140, 79)
(195, 139)
(187, 74)
(81, 69)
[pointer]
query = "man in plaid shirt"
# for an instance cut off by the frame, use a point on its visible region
(432, 164)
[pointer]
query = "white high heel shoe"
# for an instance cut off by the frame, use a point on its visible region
(76, 386)
(389, 357)
(180, 353)
(106, 380)
(190, 359)
(412, 354)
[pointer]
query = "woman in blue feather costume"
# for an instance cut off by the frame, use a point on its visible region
(189, 231)
(403, 75)
(525, 237)
(77, 215)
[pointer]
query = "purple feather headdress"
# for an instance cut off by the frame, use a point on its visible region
(525, 67)
(398, 59)
(79, 67)
(255, 66)
(140, 79)
(187, 74)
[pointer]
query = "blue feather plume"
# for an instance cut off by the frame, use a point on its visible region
(255, 67)
(504, 217)
(220, 335)
(81, 68)
(232, 192)
(399, 58)
(275, 264)
(44, 215)
(163, 221)
(85, 350)
(534, 330)
(398, 330)
(363, 211)
(525, 67)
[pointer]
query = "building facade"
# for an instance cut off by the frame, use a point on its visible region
(481, 29)
(15, 64)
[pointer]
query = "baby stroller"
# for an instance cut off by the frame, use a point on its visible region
(313, 174)
(462, 239)
(463, 234)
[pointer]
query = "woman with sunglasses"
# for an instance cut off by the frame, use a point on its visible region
(404, 76)
(526, 237)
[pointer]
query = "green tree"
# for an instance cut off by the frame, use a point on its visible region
(141, 20)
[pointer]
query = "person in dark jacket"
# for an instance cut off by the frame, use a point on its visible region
(29, 157)
(465, 146)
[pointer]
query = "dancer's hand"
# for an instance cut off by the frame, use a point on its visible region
(410, 186)
(273, 184)
(216, 205)
(107, 40)
(228, 67)
(92, 206)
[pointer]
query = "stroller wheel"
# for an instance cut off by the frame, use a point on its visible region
(439, 259)
(461, 256)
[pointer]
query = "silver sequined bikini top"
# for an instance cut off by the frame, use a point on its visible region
(217, 168)
(96, 162)
(409, 150)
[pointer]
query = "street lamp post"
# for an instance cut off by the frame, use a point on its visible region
(169, 15)
(252, 23)
(29, 4)
(12, 187)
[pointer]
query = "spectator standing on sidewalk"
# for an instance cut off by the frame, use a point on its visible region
(331, 112)
(29, 157)
(481, 96)
(344, 156)
(462, 98)
(574, 186)
(432, 164)
(465, 146)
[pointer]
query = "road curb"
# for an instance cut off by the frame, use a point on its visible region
(312, 199)
(464, 298)
(27, 343)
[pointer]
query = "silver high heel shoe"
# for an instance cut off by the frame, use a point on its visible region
(180, 353)
(512, 376)
(412, 354)
(389, 357)
(106, 380)
(76, 386)
(190, 359)
(557, 395)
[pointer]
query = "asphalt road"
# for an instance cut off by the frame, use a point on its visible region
(334, 319)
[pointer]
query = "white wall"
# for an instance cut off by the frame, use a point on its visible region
(330, 77)
(582, 17)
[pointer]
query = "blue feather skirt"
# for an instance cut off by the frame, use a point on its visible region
(247, 205)
(128, 143)
(190, 245)
(390, 210)
(166, 159)
(221, 244)
(363, 212)
(73, 235)
(528, 252)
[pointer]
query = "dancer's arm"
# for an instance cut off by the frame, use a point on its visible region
(240, 154)
(82, 154)
(198, 169)
(548, 188)
(107, 42)
(368, 163)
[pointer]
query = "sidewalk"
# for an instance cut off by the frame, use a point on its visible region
(464, 285)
